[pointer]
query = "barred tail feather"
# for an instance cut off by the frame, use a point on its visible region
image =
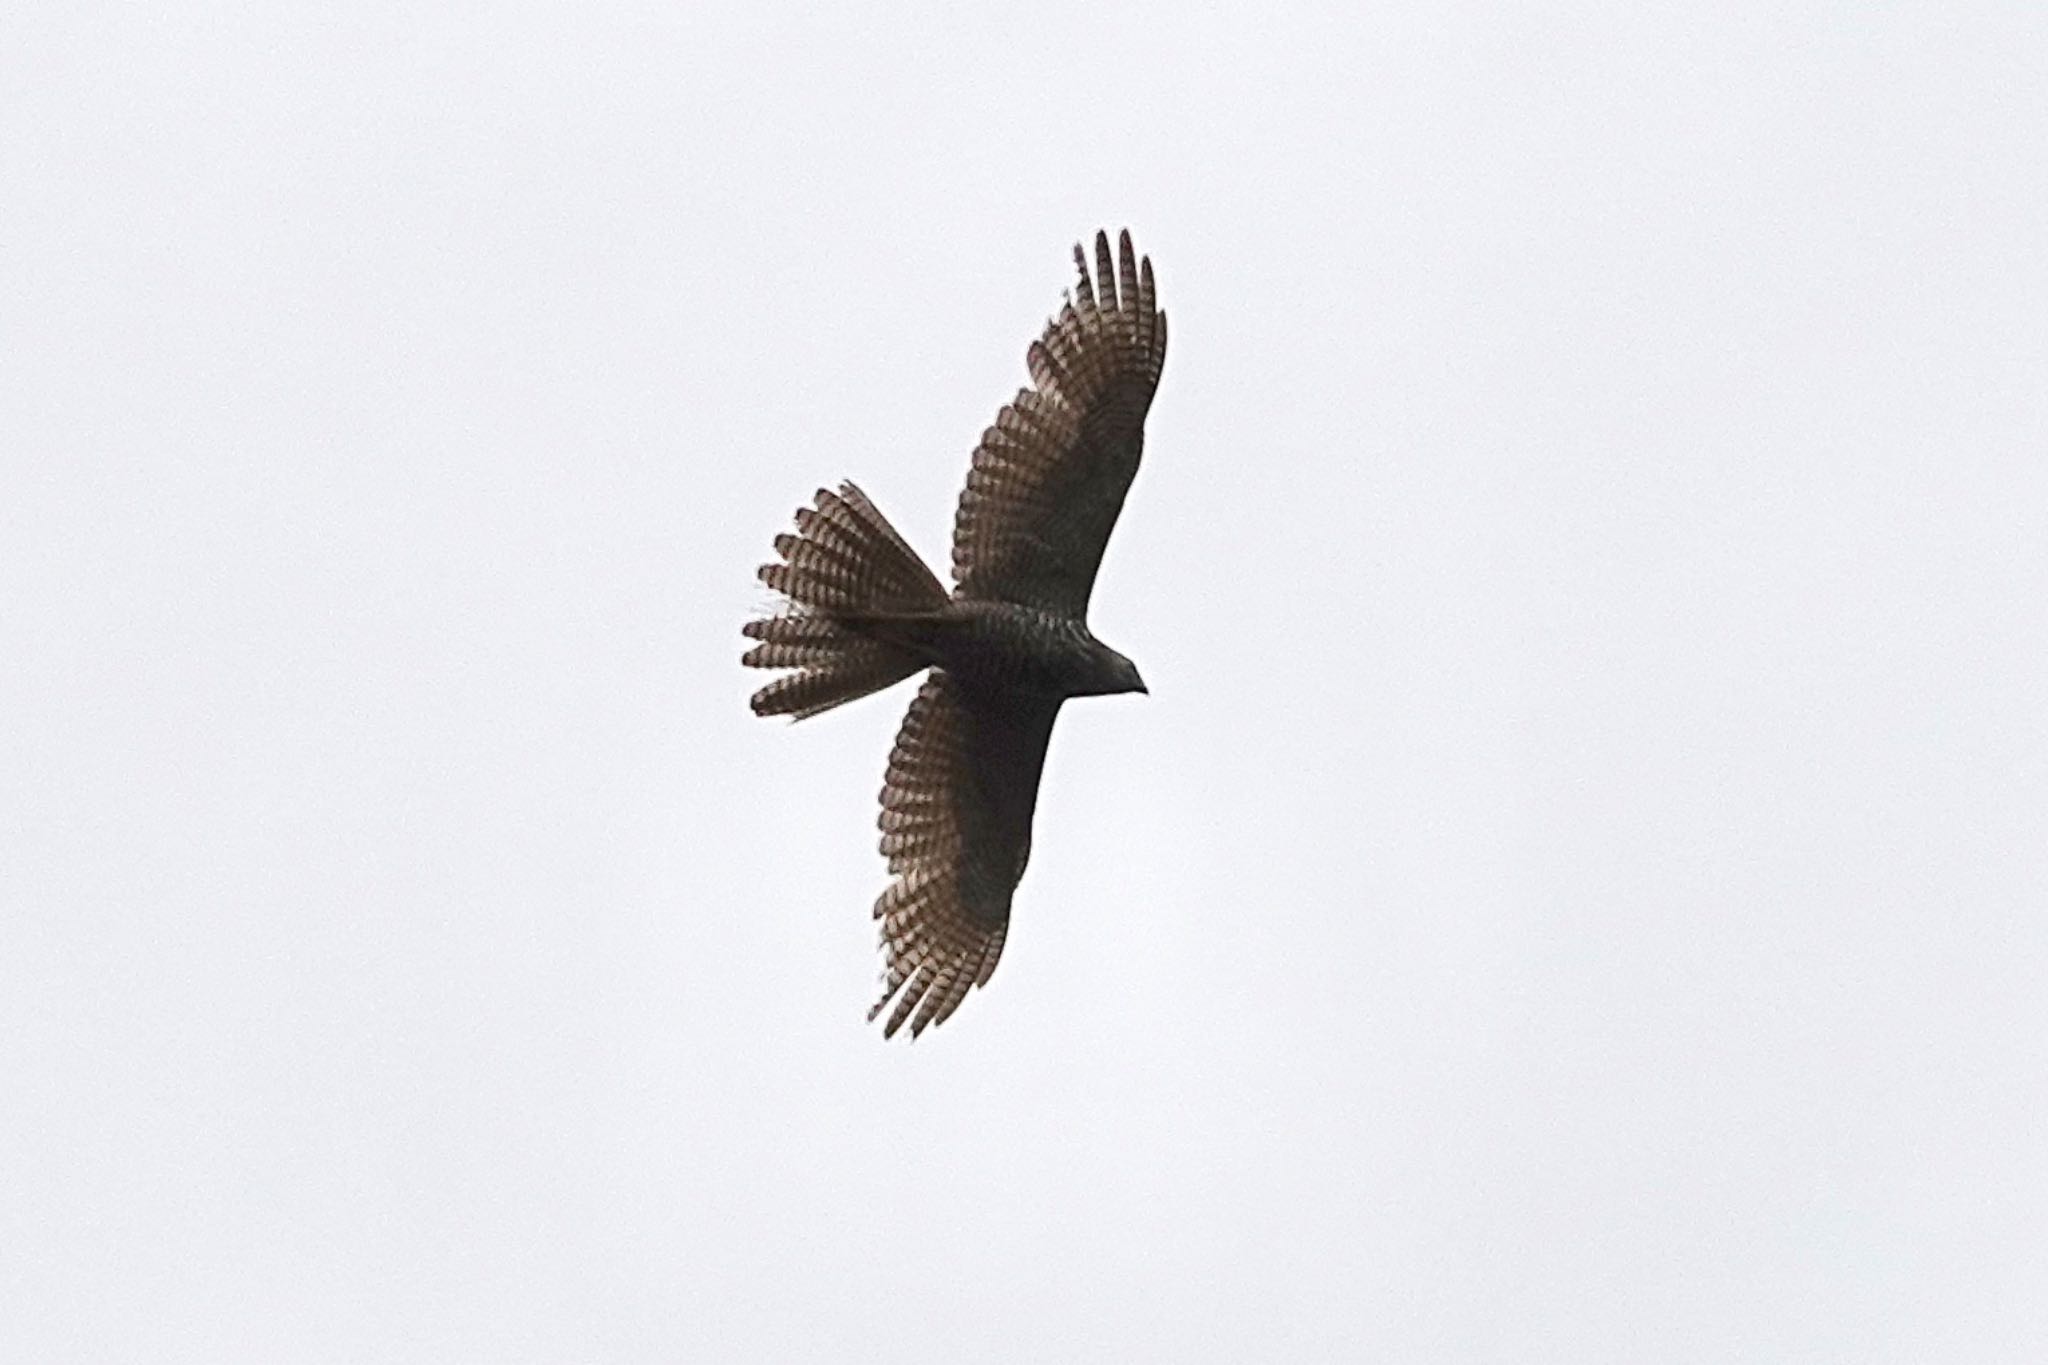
(844, 564)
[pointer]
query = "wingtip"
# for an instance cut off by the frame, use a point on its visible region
(1117, 274)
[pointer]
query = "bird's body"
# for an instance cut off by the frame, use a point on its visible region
(1002, 646)
(1005, 648)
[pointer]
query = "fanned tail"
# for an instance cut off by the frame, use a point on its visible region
(845, 564)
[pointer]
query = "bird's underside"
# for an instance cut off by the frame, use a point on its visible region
(1004, 649)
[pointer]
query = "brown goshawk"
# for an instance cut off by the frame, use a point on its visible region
(1005, 648)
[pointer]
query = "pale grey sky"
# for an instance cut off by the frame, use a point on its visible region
(1575, 892)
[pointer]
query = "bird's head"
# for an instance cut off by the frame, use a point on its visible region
(1117, 674)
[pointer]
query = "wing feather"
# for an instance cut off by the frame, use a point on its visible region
(1049, 478)
(956, 814)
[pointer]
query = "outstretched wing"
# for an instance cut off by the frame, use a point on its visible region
(1050, 476)
(956, 828)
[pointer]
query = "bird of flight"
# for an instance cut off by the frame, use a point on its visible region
(1005, 648)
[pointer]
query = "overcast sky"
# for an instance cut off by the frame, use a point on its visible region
(1575, 892)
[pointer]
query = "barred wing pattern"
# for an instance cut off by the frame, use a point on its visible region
(956, 828)
(1049, 478)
